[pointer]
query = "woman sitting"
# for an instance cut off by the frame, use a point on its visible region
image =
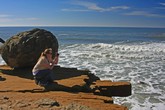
(43, 67)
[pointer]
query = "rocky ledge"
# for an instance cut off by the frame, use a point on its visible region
(75, 90)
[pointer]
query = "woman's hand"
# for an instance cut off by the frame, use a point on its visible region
(55, 60)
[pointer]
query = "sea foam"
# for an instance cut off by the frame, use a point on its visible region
(142, 64)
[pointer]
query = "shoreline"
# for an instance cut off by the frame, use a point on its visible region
(18, 91)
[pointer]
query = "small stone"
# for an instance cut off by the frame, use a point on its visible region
(47, 102)
(5, 97)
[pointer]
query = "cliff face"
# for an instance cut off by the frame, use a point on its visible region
(75, 89)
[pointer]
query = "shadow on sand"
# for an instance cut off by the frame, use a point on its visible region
(58, 73)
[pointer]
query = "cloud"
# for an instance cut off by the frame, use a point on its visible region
(74, 10)
(90, 6)
(5, 20)
(118, 8)
(10, 18)
(29, 19)
(162, 4)
(144, 13)
(3, 16)
(32, 18)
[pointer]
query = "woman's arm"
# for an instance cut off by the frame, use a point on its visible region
(55, 60)
(46, 63)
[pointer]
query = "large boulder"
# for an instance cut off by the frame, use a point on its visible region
(24, 49)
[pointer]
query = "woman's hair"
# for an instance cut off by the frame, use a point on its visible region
(46, 51)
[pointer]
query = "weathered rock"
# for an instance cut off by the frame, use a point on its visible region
(109, 88)
(76, 83)
(47, 102)
(2, 41)
(24, 49)
(72, 86)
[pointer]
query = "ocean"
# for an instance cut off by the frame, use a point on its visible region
(136, 55)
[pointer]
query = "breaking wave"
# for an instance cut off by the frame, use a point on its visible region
(140, 63)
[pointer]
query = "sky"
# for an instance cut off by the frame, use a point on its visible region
(95, 13)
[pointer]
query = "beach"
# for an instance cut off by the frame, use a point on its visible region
(18, 91)
(136, 55)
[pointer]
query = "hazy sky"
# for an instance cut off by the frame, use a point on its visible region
(111, 13)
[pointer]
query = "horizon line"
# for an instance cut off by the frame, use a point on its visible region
(81, 26)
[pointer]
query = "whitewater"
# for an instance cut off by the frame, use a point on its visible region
(141, 64)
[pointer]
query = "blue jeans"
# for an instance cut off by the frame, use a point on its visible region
(43, 77)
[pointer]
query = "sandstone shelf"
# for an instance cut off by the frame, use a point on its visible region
(76, 89)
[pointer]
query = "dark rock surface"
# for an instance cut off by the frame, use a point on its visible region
(2, 41)
(24, 49)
